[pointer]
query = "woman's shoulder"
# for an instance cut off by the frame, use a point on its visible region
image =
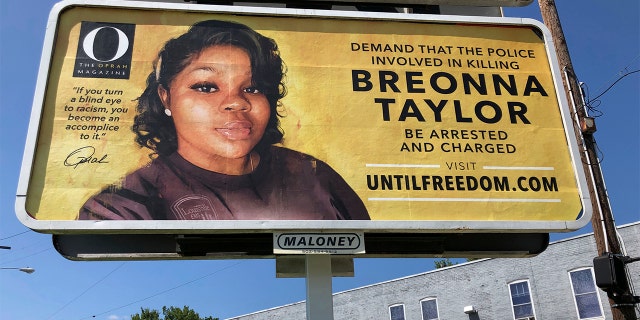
(150, 173)
(296, 161)
(286, 153)
(293, 157)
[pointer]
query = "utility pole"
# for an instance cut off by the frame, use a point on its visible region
(604, 229)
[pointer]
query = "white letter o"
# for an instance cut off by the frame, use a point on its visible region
(89, 39)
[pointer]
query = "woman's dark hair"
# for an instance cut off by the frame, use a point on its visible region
(156, 131)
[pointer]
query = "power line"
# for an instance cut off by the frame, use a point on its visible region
(612, 85)
(27, 256)
(622, 70)
(15, 235)
(163, 291)
(86, 290)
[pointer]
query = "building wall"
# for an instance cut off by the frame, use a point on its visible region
(481, 283)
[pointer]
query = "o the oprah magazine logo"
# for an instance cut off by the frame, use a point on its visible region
(104, 50)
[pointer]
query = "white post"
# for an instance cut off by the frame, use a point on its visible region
(319, 289)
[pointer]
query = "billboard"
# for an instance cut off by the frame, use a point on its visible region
(173, 118)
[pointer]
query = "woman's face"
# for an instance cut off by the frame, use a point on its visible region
(216, 110)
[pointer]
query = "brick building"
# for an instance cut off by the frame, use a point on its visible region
(557, 284)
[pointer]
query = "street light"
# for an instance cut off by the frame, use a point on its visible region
(25, 270)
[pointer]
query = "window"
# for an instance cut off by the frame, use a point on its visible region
(429, 309)
(521, 300)
(585, 294)
(396, 312)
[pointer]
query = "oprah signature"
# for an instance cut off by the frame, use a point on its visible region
(84, 155)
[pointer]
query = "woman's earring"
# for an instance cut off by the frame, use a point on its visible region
(167, 112)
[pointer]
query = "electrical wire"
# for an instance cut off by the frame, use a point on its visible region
(591, 105)
(17, 234)
(163, 291)
(622, 70)
(86, 290)
(27, 256)
(613, 84)
(599, 153)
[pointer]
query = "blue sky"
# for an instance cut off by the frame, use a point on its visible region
(604, 42)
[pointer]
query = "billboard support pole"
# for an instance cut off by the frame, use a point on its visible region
(319, 289)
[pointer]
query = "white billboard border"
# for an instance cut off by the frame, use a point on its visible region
(267, 226)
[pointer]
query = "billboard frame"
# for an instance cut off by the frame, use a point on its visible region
(89, 247)
(269, 226)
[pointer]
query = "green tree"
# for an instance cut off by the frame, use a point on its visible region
(446, 262)
(146, 314)
(170, 313)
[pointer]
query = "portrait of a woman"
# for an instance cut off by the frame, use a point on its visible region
(210, 116)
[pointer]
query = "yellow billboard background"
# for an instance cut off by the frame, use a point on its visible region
(329, 115)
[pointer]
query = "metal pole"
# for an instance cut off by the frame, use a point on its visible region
(319, 289)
